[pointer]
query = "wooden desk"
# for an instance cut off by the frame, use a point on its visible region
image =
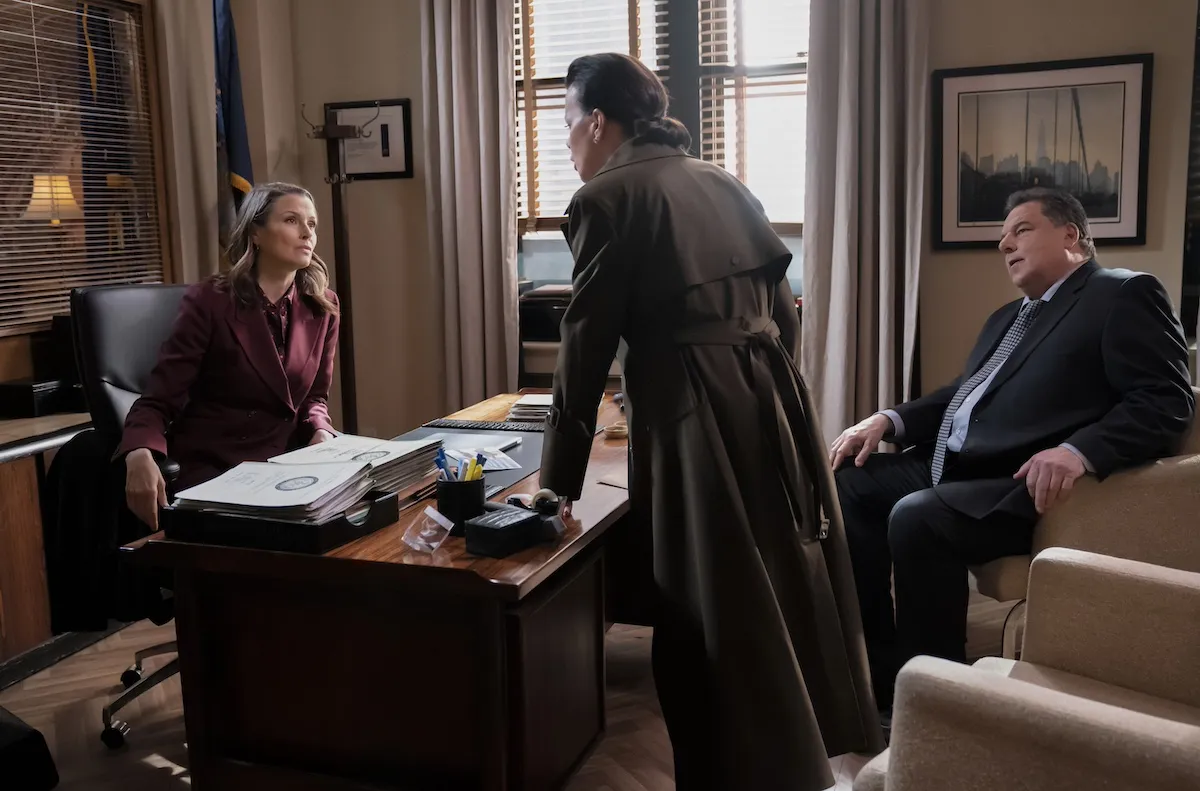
(24, 598)
(378, 667)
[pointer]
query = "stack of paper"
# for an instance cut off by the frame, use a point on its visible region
(531, 408)
(405, 467)
(311, 493)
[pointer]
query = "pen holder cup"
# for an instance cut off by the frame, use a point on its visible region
(459, 501)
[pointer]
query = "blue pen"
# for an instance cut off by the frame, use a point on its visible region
(481, 460)
(441, 463)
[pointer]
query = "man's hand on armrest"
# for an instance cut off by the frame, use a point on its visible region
(860, 440)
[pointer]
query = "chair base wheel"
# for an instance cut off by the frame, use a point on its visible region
(114, 735)
(131, 676)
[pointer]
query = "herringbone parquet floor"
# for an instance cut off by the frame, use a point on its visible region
(64, 703)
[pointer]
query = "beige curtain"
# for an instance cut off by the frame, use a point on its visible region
(864, 199)
(183, 35)
(471, 186)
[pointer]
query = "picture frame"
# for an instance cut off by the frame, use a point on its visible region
(998, 129)
(385, 152)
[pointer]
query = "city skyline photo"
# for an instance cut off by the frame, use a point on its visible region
(1067, 137)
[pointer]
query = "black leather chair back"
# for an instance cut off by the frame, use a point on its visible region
(118, 333)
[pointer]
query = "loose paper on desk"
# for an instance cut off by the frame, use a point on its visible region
(463, 447)
(533, 407)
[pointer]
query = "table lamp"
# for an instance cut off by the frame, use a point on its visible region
(52, 199)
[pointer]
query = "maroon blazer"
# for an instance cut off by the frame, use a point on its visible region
(219, 394)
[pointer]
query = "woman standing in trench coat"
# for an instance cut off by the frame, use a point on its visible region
(758, 653)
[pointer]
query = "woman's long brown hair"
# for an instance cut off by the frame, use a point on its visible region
(253, 213)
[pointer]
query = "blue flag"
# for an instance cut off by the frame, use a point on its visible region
(233, 146)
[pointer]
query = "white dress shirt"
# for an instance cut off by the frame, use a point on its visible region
(962, 418)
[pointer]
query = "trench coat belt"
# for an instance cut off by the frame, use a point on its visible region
(775, 385)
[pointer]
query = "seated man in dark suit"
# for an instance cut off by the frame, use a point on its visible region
(1087, 374)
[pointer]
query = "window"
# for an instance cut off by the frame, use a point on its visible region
(78, 186)
(549, 34)
(753, 66)
(742, 69)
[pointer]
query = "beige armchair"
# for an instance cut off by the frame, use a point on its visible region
(1149, 513)
(1106, 693)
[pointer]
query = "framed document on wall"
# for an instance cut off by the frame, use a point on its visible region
(385, 149)
(1079, 125)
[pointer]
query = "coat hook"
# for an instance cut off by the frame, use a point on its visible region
(316, 130)
(371, 120)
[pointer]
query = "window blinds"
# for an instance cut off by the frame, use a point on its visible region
(79, 204)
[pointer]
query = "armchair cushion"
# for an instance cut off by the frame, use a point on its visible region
(1004, 579)
(1078, 686)
(959, 727)
(1116, 621)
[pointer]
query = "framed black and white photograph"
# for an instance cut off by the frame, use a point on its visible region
(385, 149)
(1080, 125)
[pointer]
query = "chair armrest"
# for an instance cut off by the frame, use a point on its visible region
(958, 727)
(169, 469)
(1147, 513)
(1118, 621)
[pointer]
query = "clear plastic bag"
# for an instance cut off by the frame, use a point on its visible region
(429, 532)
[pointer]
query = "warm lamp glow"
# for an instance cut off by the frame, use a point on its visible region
(52, 200)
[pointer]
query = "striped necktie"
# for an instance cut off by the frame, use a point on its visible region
(1016, 332)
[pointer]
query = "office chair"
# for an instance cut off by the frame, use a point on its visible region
(118, 331)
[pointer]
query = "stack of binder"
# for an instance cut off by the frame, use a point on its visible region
(531, 408)
(406, 467)
(305, 493)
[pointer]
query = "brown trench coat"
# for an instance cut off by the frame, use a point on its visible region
(759, 658)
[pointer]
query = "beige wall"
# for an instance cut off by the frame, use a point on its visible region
(268, 87)
(352, 51)
(960, 288)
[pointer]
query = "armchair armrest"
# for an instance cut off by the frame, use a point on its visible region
(1147, 513)
(1113, 620)
(959, 727)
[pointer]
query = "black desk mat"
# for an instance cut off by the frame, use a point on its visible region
(528, 454)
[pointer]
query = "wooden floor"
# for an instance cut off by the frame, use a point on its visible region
(64, 703)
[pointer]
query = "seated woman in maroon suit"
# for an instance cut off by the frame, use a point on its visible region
(245, 373)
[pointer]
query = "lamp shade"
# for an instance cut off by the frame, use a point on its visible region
(52, 199)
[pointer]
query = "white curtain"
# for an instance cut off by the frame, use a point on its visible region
(186, 71)
(864, 199)
(471, 177)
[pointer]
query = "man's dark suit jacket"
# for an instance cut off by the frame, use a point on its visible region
(1103, 368)
(219, 394)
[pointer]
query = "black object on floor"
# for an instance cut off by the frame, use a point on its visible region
(25, 760)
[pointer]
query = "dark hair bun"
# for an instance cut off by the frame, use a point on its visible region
(628, 93)
(667, 131)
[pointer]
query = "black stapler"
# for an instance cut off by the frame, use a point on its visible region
(506, 528)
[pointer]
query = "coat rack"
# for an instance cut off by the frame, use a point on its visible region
(389, 155)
